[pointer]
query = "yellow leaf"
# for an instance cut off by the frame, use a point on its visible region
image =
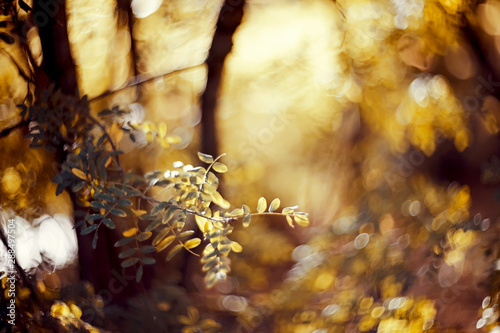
(162, 130)
(219, 167)
(165, 243)
(290, 221)
(236, 212)
(130, 232)
(301, 219)
(274, 205)
(236, 247)
(200, 221)
(192, 243)
(261, 205)
(205, 158)
(79, 173)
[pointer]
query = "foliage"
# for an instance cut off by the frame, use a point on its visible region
(104, 191)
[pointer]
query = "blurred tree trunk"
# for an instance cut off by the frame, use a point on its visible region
(229, 19)
(58, 68)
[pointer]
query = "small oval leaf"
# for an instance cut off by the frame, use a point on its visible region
(261, 205)
(192, 243)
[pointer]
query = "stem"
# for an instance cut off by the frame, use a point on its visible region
(103, 129)
(139, 79)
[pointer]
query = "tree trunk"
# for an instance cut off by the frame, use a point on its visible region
(229, 19)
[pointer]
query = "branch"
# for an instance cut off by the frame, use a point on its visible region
(140, 79)
(103, 129)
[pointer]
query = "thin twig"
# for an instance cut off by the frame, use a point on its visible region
(139, 79)
(105, 132)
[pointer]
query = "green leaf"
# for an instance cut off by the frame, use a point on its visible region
(148, 260)
(124, 202)
(89, 229)
(148, 249)
(127, 253)
(143, 236)
(138, 275)
(94, 240)
(173, 252)
(274, 205)
(261, 205)
(205, 158)
(118, 212)
(158, 207)
(109, 223)
(219, 167)
(105, 197)
(153, 225)
(93, 217)
(124, 241)
(99, 205)
(129, 262)
(117, 191)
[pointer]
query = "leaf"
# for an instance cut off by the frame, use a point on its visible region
(236, 247)
(161, 235)
(165, 243)
(274, 205)
(158, 207)
(148, 249)
(237, 212)
(153, 225)
(7, 38)
(129, 262)
(94, 240)
(185, 234)
(201, 222)
(99, 205)
(219, 167)
(162, 130)
(127, 253)
(138, 275)
(124, 241)
(290, 221)
(125, 202)
(88, 230)
(118, 212)
(301, 219)
(192, 243)
(130, 232)
(143, 236)
(79, 173)
(109, 223)
(261, 205)
(246, 209)
(93, 217)
(148, 261)
(173, 252)
(246, 220)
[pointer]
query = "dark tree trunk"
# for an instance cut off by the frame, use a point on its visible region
(229, 20)
(57, 66)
